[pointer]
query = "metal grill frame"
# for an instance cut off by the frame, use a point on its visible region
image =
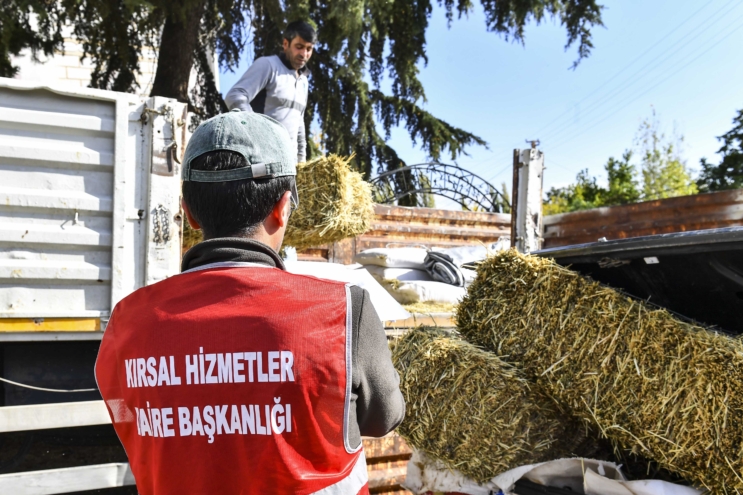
(450, 181)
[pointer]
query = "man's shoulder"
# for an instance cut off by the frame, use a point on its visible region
(272, 61)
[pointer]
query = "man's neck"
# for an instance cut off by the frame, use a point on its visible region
(288, 65)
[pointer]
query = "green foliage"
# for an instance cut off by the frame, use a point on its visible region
(113, 35)
(205, 100)
(661, 170)
(362, 44)
(584, 194)
(28, 24)
(428, 199)
(622, 188)
(728, 174)
(664, 175)
(504, 199)
(501, 201)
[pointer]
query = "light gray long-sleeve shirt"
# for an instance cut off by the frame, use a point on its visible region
(280, 92)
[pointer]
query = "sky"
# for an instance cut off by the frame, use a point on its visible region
(681, 58)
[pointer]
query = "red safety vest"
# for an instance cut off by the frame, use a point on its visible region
(234, 379)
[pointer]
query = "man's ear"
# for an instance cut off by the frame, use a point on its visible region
(282, 210)
(285, 43)
(191, 220)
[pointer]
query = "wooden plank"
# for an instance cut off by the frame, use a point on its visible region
(387, 463)
(67, 480)
(387, 477)
(716, 200)
(380, 242)
(445, 231)
(386, 447)
(424, 226)
(682, 214)
(438, 215)
(582, 237)
(443, 320)
(46, 416)
(679, 217)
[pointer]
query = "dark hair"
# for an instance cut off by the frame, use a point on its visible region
(233, 208)
(301, 28)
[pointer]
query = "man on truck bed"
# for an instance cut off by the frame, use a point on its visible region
(277, 85)
(236, 376)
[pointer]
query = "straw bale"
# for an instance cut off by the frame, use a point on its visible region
(473, 411)
(429, 307)
(335, 203)
(191, 237)
(656, 386)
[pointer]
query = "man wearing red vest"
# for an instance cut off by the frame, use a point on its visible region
(236, 377)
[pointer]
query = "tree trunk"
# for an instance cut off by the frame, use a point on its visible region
(177, 45)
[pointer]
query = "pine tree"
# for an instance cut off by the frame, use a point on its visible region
(728, 174)
(361, 43)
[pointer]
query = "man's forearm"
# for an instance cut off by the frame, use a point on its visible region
(237, 99)
(249, 85)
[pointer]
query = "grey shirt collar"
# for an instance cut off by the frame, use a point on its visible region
(304, 71)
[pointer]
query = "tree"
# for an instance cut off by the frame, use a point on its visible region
(428, 199)
(503, 199)
(584, 194)
(662, 170)
(361, 43)
(622, 184)
(728, 174)
(664, 174)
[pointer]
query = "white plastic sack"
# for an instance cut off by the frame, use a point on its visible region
(382, 274)
(465, 254)
(588, 476)
(387, 308)
(402, 257)
(413, 291)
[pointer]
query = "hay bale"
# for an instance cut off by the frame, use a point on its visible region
(474, 412)
(429, 307)
(335, 203)
(191, 237)
(654, 385)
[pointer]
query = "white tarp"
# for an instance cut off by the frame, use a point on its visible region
(382, 274)
(587, 476)
(387, 308)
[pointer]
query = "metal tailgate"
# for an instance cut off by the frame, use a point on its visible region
(76, 201)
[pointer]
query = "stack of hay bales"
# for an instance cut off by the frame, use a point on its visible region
(654, 385)
(475, 412)
(335, 203)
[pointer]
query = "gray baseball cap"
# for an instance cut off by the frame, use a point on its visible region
(263, 141)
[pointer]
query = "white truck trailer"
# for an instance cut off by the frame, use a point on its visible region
(89, 212)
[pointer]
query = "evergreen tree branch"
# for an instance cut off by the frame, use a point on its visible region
(435, 135)
(362, 44)
(29, 24)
